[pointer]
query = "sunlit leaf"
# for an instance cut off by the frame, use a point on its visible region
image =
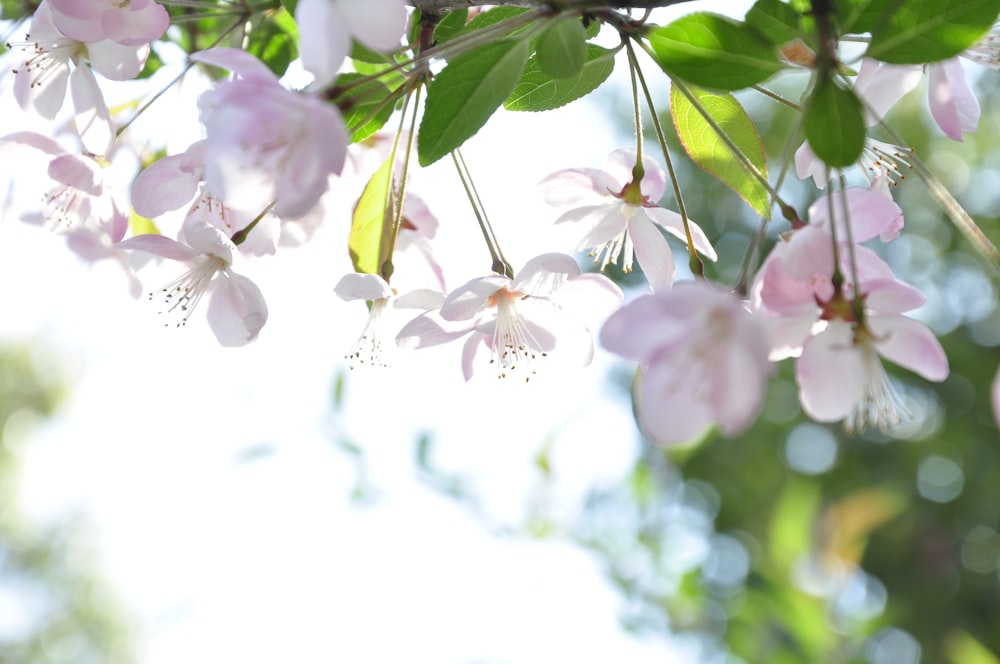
(715, 52)
(537, 91)
(562, 48)
(710, 152)
(465, 94)
(371, 225)
(931, 30)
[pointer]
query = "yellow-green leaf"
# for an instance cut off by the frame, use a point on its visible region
(702, 142)
(371, 226)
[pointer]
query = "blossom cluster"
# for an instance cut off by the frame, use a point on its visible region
(257, 180)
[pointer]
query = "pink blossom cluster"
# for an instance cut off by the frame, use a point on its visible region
(823, 297)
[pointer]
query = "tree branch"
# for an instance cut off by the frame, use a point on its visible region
(439, 6)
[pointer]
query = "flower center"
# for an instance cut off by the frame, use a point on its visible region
(44, 60)
(881, 159)
(183, 293)
(881, 406)
(513, 343)
(368, 349)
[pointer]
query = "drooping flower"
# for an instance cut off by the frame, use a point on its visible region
(327, 26)
(266, 143)
(370, 349)
(236, 308)
(42, 78)
(840, 373)
(544, 309)
(619, 216)
(703, 359)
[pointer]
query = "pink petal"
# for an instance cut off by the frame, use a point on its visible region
(652, 252)
(910, 344)
(429, 329)
(160, 246)
(75, 172)
(830, 374)
(47, 98)
(888, 296)
(882, 85)
(578, 186)
(163, 186)
(93, 120)
(545, 274)
(236, 309)
(132, 25)
(739, 383)
(952, 102)
(869, 212)
(669, 410)
(115, 61)
(807, 164)
(470, 349)
(672, 223)
(237, 61)
(37, 141)
(466, 301)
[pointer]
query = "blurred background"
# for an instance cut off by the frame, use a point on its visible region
(163, 499)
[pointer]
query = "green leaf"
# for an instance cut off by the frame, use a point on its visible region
(834, 124)
(857, 16)
(775, 20)
(450, 25)
(707, 150)
(360, 105)
(931, 30)
(371, 224)
(492, 17)
(465, 94)
(275, 41)
(538, 92)
(290, 5)
(361, 53)
(714, 52)
(562, 48)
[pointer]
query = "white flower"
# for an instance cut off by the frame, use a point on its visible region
(521, 320)
(619, 219)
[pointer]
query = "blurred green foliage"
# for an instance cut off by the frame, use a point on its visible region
(54, 607)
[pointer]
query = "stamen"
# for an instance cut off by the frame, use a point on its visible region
(183, 293)
(368, 349)
(881, 159)
(513, 343)
(881, 406)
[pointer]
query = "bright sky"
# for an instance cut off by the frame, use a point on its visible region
(220, 501)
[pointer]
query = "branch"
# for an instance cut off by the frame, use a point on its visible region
(440, 6)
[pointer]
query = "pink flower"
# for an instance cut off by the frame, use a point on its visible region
(41, 80)
(840, 373)
(702, 356)
(131, 23)
(327, 26)
(544, 309)
(236, 307)
(76, 196)
(266, 143)
(617, 218)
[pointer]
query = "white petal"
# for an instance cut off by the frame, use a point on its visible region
(93, 120)
(466, 301)
(379, 24)
(237, 310)
(831, 374)
(652, 252)
(673, 224)
(323, 39)
(358, 286)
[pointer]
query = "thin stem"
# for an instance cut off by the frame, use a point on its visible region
(697, 267)
(240, 236)
(638, 171)
(225, 33)
(500, 265)
(778, 98)
(397, 221)
(851, 250)
(837, 279)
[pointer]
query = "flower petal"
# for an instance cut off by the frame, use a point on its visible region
(323, 39)
(159, 245)
(652, 252)
(830, 374)
(236, 309)
(673, 224)
(953, 103)
(379, 24)
(910, 344)
(357, 286)
(466, 301)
